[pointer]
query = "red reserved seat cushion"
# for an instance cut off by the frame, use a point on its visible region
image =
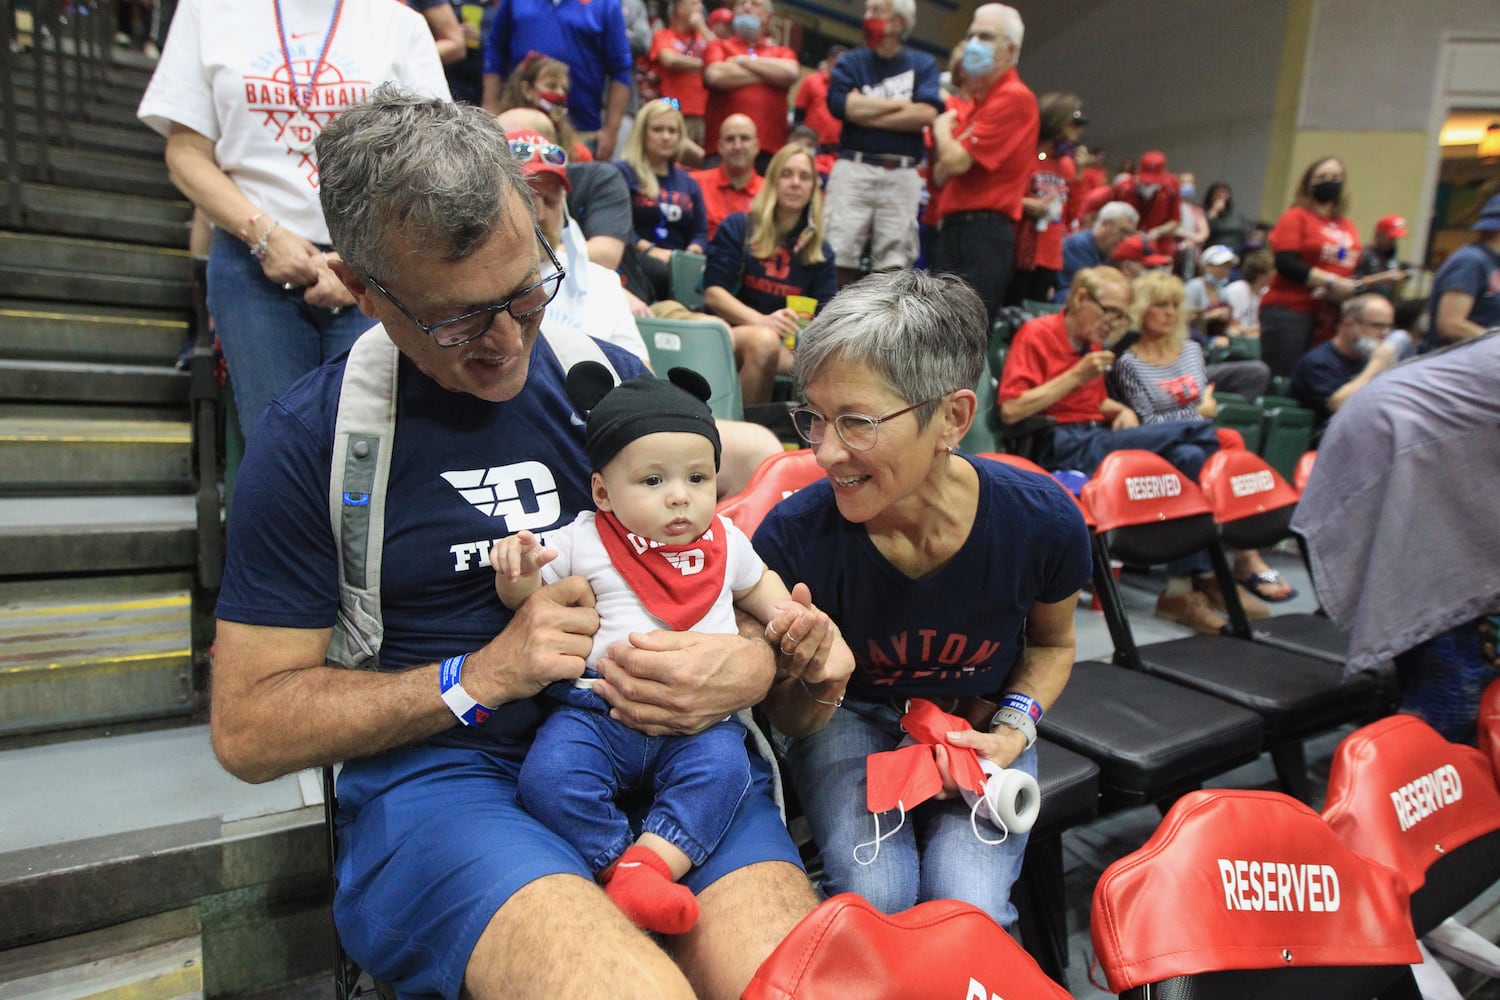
(1489, 726)
(1140, 487)
(1235, 880)
(1240, 484)
(1303, 472)
(777, 478)
(1402, 795)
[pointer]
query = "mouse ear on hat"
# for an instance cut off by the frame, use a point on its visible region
(686, 378)
(588, 382)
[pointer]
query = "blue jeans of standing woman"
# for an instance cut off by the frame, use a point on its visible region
(934, 854)
(270, 336)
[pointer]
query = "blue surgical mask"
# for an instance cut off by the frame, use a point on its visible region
(1187, 190)
(747, 26)
(978, 57)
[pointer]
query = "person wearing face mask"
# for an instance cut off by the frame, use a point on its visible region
(982, 156)
(886, 93)
(541, 83)
(589, 36)
(749, 74)
(677, 57)
(1330, 374)
(1316, 248)
(1153, 192)
(1192, 226)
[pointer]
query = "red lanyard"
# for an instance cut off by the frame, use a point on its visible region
(303, 98)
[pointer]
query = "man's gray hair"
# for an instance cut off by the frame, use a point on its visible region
(433, 173)
(1354, 308)
(1011, 25)
(1115, 211)
(907, 11)
(925, 334)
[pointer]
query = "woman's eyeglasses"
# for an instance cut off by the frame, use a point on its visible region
(858, 431)
(544, 152)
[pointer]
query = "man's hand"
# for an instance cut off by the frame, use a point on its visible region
(547, 640)
(675, 683)
(1386, 354)
(1092, 365)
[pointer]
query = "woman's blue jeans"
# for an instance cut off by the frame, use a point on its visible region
(270, 336)
(934, 854)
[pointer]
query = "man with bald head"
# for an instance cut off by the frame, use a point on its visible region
(733, 184)
(982, 156)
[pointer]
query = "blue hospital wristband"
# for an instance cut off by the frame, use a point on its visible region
(459, 701)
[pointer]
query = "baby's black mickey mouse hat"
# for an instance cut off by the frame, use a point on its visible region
(618, 414)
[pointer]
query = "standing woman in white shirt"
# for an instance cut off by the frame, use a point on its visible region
(241, 92)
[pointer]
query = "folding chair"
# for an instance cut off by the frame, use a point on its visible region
(1489, 725)
(1400, 794)
(1237, 414)
(1147, 514)
(347, 976)
(775, 479)
(685, 274)
(1249, 894)
(981, 434)
(705, 347)
(1286, 434)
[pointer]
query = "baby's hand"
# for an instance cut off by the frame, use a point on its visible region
(519, 555)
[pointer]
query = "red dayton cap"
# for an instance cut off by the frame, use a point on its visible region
(1134, 248)
(1153, 167)
(538, 154)
(1393, 226)
(720, 15)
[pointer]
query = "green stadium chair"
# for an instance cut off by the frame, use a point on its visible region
(702, 345)
(981, 436)
(1237, 414)
(1285, 436)
(687, 278)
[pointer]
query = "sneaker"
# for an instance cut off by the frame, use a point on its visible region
(1254, 607)
(1192, 610)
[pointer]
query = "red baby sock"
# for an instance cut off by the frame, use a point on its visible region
(641, 885)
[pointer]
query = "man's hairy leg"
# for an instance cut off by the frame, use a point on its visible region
(560, 936)
(742, 918)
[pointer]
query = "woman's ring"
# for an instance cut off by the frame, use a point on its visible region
(287, 286)
(791, 640)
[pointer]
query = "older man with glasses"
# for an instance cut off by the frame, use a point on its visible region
(445, 885)
(1056, 366)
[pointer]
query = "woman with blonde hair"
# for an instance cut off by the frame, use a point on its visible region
(1162, 377)
(760, 262)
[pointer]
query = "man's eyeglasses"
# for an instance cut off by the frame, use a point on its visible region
(858, 431)
(545, 152)
(1114, 315)
(465, 327)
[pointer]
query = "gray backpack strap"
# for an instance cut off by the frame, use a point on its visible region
(362, 439)
(571, 347)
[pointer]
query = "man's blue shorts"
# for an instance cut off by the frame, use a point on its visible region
(432, 842)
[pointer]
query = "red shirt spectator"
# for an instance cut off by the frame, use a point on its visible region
(762, 102)
(721, 198)
(685, 85)
(1050, 180)
(999, 132)
(1329, 244)
(1040, 352)
(812, 101)
(1153, 193)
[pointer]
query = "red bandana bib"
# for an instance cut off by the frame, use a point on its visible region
(677, 583)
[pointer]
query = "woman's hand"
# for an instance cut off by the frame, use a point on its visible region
(784, 322)
(810, 646)
(291, 260)
(1001, 748)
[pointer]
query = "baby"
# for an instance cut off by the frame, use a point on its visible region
(656, 556)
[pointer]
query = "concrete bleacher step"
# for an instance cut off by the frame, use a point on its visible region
(91, 383)
(136, 140)
(93, 535)
(96, 170)
(102, 106)
(132, 218)
(36, 266)
(60, 331)
(154, 958)
(48, 456)
(74, 662)
(103, 832)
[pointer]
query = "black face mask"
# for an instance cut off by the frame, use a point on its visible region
(1327, 192)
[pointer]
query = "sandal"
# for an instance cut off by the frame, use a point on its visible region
(1259, 583)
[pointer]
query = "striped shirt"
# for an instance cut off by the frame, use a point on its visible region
(1158, 393)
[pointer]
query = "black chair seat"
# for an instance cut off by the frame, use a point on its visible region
(1296, 695)
(1454, 880)
(1070, 788)
(1152, 739)
(1315, 635)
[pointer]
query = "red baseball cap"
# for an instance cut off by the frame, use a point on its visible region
(1153, 166)
(1393, 226)
(720, 15)
(1134, 248)
(538, 154)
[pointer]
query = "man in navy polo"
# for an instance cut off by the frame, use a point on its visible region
(886, 95)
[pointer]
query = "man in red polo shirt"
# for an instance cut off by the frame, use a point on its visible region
(749, 75)
(677, 56)
(1153, 193)
(733, 184)
(982, 157)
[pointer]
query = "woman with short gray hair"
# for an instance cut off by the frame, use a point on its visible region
(953, 579)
